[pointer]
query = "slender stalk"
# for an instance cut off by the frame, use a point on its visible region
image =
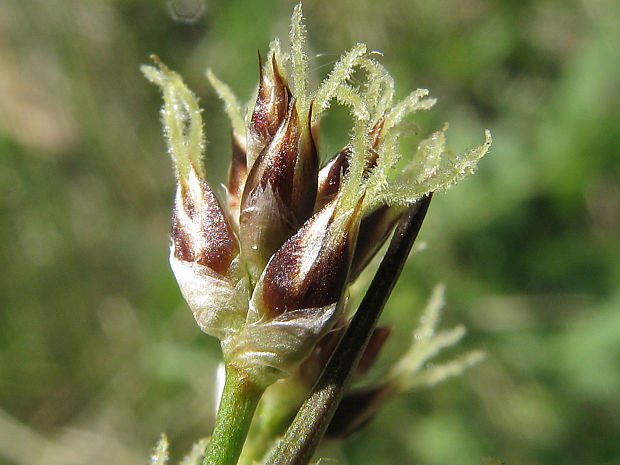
(303, 436)
(273, 415)
(239, 400)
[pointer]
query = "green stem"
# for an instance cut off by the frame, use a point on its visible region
(239, 400)
(303, 436)
(274, 413)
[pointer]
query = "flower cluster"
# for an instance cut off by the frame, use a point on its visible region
(266, 268)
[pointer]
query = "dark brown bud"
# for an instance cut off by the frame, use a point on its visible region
(200, 231)
(272, 105)
(330, 178)
(375, 226)
(312, 267)
(204, 257)
(357, 408)
(279, 192)
(299, 296)
(332, 173)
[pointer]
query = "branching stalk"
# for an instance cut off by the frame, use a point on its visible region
(308, 428)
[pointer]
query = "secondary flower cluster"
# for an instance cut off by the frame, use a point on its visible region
(266, 268)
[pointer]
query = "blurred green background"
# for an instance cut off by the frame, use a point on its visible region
(98, 352)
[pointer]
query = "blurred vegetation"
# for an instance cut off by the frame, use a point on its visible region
(98, 353)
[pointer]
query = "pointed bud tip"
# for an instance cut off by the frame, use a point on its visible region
(330, 178)
(272, 102)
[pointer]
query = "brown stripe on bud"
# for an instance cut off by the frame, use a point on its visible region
(375, 133)
(312, 267)
(272, 105)
(276, 163)
(201, 232)
(375, 138)
(237, 170)
(330, 178)
(237, 174)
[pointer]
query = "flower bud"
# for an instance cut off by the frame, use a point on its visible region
(312, 367)
(377, 224)
(279, 192)
(204, 257)
(357, 408)
(330, 178)
(331, 174)
(299, 295)
(311, 269)
(272, 105)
